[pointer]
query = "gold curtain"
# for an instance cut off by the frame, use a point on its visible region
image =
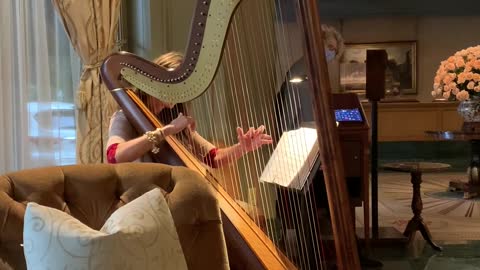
(91, 26)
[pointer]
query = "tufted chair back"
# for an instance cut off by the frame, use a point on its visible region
(91, 193)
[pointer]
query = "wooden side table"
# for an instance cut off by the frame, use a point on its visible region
(471, 133)
(416, 169)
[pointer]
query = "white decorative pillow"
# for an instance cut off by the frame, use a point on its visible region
(139, 235)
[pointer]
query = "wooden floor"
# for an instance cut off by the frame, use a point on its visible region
(449, 217)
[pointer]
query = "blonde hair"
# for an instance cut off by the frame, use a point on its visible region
(169, 60)
(333, 38)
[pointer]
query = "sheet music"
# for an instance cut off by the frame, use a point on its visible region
(292, 159)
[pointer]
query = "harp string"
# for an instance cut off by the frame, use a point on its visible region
(237, 117)
(243, 92)
(223, 139)
(240, 167)
(293, 207)
(251, 119)
(236, 188)
(272, 67)
(254, 81)
(261, 86)
(295, 104)
(243, 77)
(265, 87)
(254, 121)
(266, 110)
(295, 216)
(296, 107)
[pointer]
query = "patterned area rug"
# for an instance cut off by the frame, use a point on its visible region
(440, 263)
(449, 217)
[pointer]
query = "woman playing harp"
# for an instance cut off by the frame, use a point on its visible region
(125, 146)
(246, 73)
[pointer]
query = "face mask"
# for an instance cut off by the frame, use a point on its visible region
(330, 55)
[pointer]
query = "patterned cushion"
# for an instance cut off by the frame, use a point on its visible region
(139, 235)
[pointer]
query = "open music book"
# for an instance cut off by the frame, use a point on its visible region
(292, 159)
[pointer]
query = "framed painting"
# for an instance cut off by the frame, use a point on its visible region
(400, 75)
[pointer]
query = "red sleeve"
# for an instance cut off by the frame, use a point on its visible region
(111, 151)
(209, 158)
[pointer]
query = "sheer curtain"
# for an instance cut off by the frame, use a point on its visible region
(38, 75)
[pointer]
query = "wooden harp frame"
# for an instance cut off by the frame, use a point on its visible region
(266, 252)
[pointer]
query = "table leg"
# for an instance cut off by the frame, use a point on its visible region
(473, 185)
(417, 223)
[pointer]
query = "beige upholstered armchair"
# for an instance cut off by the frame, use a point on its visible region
(91, 193)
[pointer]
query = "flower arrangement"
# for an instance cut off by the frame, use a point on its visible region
(458, 77)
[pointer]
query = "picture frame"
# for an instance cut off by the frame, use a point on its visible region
(401, 73)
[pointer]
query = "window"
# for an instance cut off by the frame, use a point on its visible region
(42, 74)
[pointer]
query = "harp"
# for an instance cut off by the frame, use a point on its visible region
(259, 215)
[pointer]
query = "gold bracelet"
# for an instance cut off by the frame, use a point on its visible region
(152, 136)
(160, 134)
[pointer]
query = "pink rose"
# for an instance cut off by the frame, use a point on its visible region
(451, 66)
(447, 80)
(467, 63)
(476, 64)
(470, 85)
(468, 67)
(460, 62)
(462, 95)
(469, 76)
(446, 94)
(462, 52)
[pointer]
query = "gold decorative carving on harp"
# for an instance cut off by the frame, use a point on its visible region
(229, 79)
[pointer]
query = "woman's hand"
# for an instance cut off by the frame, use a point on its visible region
(253, 139)
(178, 124)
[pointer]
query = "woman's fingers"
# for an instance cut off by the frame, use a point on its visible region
(260, 130)
(191, 123)
(266, 141)
(266, 137)
(251, 132)
(240, 133)
(254, 134)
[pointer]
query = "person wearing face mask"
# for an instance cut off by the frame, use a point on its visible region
(124, 144)
(333, 43)
(330, 54)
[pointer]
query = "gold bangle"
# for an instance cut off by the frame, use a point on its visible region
(152, 136)
(160, 134)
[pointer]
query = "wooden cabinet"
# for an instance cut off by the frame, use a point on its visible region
(352, 158)
(408, 121)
